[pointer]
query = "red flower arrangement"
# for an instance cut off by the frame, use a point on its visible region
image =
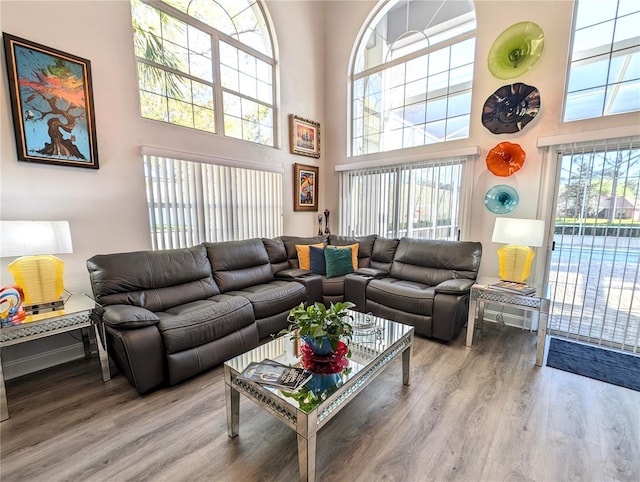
(334, 362)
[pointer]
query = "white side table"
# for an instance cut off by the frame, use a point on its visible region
(481, 294)
(76, 314)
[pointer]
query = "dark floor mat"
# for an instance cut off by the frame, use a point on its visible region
(609, 366)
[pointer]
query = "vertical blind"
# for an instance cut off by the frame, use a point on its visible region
(192, 202)
(419, 200)
(594, 274)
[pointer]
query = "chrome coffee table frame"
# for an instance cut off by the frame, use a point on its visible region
(370, 355)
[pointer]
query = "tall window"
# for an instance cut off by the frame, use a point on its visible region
(604, 75)
(208, 65)
(412, 76)
(192, 202)
(419, 200)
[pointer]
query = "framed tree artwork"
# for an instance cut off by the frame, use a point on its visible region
(305, 187)
(52, 104)
(305, 136)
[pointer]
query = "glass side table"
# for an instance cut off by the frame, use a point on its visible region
(76, 314)
(481, 294)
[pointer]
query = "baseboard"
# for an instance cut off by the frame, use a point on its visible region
(39, 361)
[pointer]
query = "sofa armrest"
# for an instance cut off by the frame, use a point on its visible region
(355, 290)
(373, 272)
(291, 274)
(124, 317)
(312, 284)
(454, 286)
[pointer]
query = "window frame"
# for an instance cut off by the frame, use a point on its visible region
(216, 83)
(405, 173)
(609, 53)
(355, 75)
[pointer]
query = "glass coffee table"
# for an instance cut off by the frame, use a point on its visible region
(376, 343)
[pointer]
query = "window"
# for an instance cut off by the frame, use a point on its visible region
(604, 74)
(419, 200)
(412, 76)
(207, 65)
(192, 202)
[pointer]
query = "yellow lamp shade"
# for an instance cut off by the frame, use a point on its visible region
(515, 262)
(40, 277)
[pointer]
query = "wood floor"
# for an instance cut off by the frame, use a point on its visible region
(479, 414)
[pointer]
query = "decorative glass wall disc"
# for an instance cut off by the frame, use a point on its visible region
(505, 159)
(516, 50)
(510, 108)
(501, 199)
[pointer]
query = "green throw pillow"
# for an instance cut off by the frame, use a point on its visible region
(338, 262)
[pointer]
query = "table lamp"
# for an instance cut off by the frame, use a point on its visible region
(518, 235)
(37, 272)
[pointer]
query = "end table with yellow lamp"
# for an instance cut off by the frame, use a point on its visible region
(76, 314)
(481, 294)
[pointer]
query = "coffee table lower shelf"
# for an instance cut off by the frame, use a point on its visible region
(307, 424)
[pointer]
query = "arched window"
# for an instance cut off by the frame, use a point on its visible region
(604, 74)
(208, 65)
(412, 75)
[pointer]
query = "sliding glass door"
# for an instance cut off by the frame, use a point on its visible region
(594, 276)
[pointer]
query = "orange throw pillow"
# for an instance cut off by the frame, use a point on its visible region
(304, 259)
(354, 253)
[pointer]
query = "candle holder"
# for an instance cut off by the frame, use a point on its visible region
(326, 222)
(320, 225)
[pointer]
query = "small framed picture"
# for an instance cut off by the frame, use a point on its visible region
(305, 187)
(305, 136)
(52, 104)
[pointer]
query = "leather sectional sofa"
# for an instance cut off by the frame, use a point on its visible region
(171, 314)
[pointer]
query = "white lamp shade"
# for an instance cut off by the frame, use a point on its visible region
(26, 238)
(525, 232)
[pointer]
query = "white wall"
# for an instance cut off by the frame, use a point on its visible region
(343, 23)
(107, 208)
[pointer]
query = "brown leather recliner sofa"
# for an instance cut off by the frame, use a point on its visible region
(171, 314)
(427, 286)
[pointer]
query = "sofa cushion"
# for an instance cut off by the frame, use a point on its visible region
(200, 322)
(365, 246)
(339, 262)
(192, 361)
(354, 253)
(318, 262)
(333, 286)
(383, 251)
(238, 264)
(431, 262)
(273, 298)
(304, 258)
(407, 296)
(277, 254)
(290, 246)
(155, 280)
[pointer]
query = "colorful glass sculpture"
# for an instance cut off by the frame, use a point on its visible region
(505, 158)
(501, 199)
(510, 108)
(516, 50)
(11, 312)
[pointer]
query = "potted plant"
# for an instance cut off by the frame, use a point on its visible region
(320, 327)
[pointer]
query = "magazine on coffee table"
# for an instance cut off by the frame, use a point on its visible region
(513, 287)
(274, 374)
